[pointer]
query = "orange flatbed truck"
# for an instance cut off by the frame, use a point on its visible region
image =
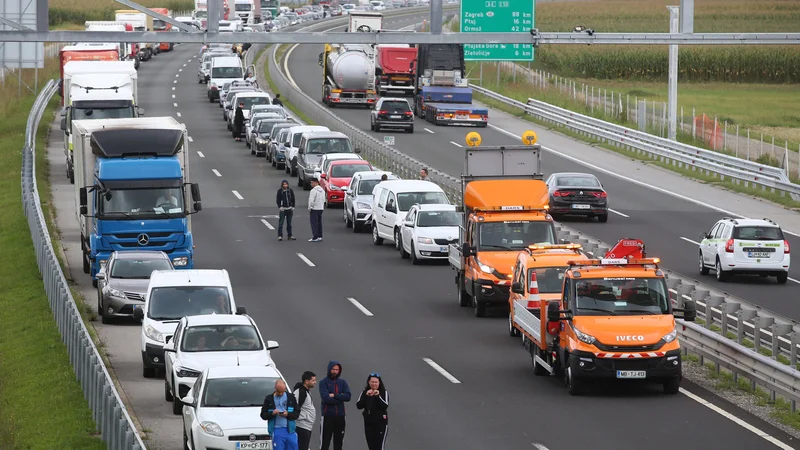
(614, 320)
(504, 204)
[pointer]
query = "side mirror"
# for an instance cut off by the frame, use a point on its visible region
(466, 250)
(100, 275)
(705, 236)
(241, 310)
(188, 400)
(272, 345)
(516, 288)
(138, 313)
(553, 314)
(689, 311)
(324, 176)
(357, 150)
(195, 191)
(319, 60)
(140, 111)
(83, 201)
(563, 241)
(198, 206)
(409, 224)
(169, 347)
(64, 124)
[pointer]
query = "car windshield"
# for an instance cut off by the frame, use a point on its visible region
(250, 101)
(620, 296)
(221, 338)
(138, 269)
(438, 219)
(578, 181)
(757, 233)
(365, 187)
(347, 170)
(276, 130)
(549, 279)
(331, 145)
(406, 200)
(266, 126)
(124, 112)
(514, 234)
(175, 302)
(226, 72)
(395, 106)
(138, 202)
(237, 392)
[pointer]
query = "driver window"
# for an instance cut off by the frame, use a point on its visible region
(713, 231)
(353, 185)
(177, 337)
(391, 205)
(567, 297)
(412, 217)
(302, 146)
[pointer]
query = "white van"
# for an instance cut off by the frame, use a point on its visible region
(223, 70)
(173, 294)
(393, 199)
(292, 144)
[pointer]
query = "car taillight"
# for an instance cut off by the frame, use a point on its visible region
(408, 113)
(729, 246)
(561, 194)
(383, 112)
(785, 247)
(600, 194)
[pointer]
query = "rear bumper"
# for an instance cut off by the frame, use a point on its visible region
(395, 123)
(593, 210)
(587, 365)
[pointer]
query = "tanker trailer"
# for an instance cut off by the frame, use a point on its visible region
(348, 75)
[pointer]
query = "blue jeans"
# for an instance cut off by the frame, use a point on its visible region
(282, 440)
(287, 216)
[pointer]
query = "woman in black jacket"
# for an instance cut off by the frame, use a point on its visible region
(374, 400)
(238, 123)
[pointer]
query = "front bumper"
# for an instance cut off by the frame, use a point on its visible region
(121, 306)
(213, 94)
(362, 216)
(492, 294)
(205, 441)
(279, 157)
(588, 365)
(153, 355)
(335, 197)
(432, 251)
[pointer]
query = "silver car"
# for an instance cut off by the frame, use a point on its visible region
(357, 211)
(122, 283)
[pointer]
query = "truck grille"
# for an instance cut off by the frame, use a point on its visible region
(629, 349)
(164, 234)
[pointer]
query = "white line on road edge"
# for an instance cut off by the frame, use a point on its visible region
(360, 306)
(190, 59)
(456, 144)
(179, 114)
(429, 131)
(736, 420)
(306, 260)
(216, 172)
(267, 224)
(176, 75)
(175, 105)
(184, 64)
(689, 240)
(238, 195)
(443, 372)
(793, 280)
(618, 213)
(200, 154)
(180, 70)
(190, 138)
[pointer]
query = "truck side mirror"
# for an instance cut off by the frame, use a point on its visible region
(357, 150)
(466, 250)
(198, 206)
(516, 288)
(64, 124)
(196, 192)
(553, 314)
(83, 197)
(321, 55)
(689, 311)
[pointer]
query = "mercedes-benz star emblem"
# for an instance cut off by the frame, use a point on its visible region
(252, 438)
(143, 239)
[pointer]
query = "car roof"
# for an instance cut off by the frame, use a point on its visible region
(394, 99)
(141, 254)
(400, 186)
(243, 371)
(217, 319)
(341, 161)
(573, 174)
(307, 128)
(325, 135)
(337, 156)
(199, 277)
(253, 94)
(747, 222)
(435, 207)
(375, 175)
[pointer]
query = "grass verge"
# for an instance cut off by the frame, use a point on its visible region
(280, 53)
(79, 11)
(38, 388)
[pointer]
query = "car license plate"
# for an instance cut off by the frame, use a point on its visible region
(758, 254)
(261, 445)
(581, 206)
(443, 249)
(631, 374)
(394, 117)
(462, 116)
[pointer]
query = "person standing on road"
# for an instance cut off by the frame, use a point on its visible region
(423, 175)
(334, 392)
(316, 203)
(277, 100)
(374, 400)
(280, 411)
(285, 201)
(308, 414)
(238, 123)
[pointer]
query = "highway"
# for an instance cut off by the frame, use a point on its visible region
(456, 382)
(669, 226)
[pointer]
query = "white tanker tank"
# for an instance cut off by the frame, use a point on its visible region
(350, 68)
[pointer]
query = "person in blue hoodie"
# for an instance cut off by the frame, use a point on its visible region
(280, 411)
(334, 392)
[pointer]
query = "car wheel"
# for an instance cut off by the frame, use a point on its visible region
(463, 296)
(413, 255)
(148, 372)
(186, 441)
(602, 218)
(104, 317)
(347, 222)
(377, 128)
(783, 277)
(721, 275)
(177, 405)
(478, 308)
(377, 240)
(398, 240)
(411, 130)
(672, 386)
(702, 265)
(512, 330)
(167, 393)
(403, 253)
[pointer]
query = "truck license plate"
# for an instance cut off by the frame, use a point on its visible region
(262, 445)
(631, 374)
(581, 206)
(462, 116)
(758, 254)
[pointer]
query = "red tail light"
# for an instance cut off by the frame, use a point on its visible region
(729, 246)
(561, 194)
(600, 194)
(383, 112)
(408, 113)
(785, 247)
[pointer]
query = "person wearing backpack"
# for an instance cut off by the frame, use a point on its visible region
(308, 414)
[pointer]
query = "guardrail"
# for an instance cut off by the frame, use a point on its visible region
(108, 411)
(729, 325)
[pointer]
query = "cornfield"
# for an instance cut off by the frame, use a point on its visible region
(79, 11)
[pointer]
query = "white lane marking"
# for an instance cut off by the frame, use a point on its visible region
(441, 370)
(190, 59)
(689, 240)
(179, 114)
(200, 154)
(175, 82)
(173, 95)
(793, 280)
(286, 65)
(173, 88)
(179, 70)
(267, 224)
(631, 180)
(306, 260)
(429, 131)
(758, 432)
(360, 306)
(175, 105)
(216, 172)
(184, 64)
(190, 138)
(238, 195)
(538, 446)
(177, 75)
(618, 213)
(456, 144)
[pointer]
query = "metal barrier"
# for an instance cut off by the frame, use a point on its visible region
(723, 315)
(108, 410)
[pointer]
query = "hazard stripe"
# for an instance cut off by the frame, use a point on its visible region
(630, 355)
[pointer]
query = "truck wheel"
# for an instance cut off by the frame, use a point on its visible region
(574, 385)
(672, 385)
(512, 331)
(478, 308)
(463, 296)
(86, 266)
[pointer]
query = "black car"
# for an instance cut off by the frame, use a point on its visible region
(392, 113)
(577, 194)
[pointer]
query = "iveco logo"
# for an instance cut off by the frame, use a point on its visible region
(143, 239)
(629, 338)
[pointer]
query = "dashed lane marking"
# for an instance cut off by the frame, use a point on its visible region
(360, 306)
(200, 154)
(441, 371)
(429, 131)
(306, 260)
(456, 144)
(216, 172)
(238, 195)
(267, 224)
(618, 213)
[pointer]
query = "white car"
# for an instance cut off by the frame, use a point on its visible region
(393, 200)
(745, 246)
(358, 199)
(223, 409)
(427, 232)
(207, 341)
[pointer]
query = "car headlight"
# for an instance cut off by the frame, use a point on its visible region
(114, 292)
(360, 205)
(184, 372)
(424, 240)
(583, 337)
(211, 428)
(180, 261)
(261, 141)
(103, 263)
(671, 336)
(153, 334)
(335, 188)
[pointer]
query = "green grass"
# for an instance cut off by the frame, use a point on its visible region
(279, 54)
(79, 11)
(41, 403)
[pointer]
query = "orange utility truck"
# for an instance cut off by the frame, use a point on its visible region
(504, 204)
(613, 320)
(159, 26)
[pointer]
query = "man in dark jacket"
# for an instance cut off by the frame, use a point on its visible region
(238, 123)
(277, 100)
(334, 392)
(280, 411)
(285, 201)
(308, 414)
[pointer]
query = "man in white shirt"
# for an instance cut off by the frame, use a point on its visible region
(165, 199)
(316, 204)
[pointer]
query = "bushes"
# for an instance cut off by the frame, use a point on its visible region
(79, 11)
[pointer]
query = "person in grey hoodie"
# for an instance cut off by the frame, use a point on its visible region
(316, 204)
(308, 414)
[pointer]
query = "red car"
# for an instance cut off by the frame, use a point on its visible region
(338, 177)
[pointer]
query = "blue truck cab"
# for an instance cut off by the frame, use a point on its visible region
(131, 189)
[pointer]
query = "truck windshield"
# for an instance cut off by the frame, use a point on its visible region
(243, 7)
(438, 219)
(174, 302)
(159, 25)
(138, 202)
(406, 200)
(226, 72)
(324, 146)
(621, 296)
(514, 234)
(443, 57)
(549, 279)
(103, 113)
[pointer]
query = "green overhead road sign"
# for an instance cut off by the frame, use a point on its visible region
(497, 16)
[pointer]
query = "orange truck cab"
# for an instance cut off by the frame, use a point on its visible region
(504, 205)
(613, 320)
(160, 26)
